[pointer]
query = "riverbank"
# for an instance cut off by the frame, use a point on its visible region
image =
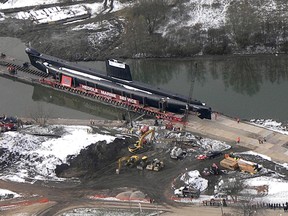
(221, 128)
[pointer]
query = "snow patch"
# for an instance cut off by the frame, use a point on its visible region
(21, 3)
(35, 157)
(194, 179)
(7, 194)
(277, 189)
(270, 124)
(56, 13)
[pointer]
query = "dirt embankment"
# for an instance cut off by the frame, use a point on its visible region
(94, 158)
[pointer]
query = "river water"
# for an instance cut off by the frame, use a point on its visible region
(239, 86)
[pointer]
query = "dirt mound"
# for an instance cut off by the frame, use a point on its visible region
(94, 158)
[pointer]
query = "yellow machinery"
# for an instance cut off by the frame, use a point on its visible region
(234, 163)
(142, 163)
(131, 161)
(248, 166)
(142, 144)
(229, 163)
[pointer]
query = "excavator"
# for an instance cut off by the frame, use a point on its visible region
(131, 161)
(142, 144)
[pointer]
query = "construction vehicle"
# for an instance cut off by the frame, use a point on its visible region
(177, 153)
(233, 163)
(187, 191)
(248, 166)
(128, 160)
(131, 161)
(143, 143)
(144, 129)
(229, 163)
(155, 165)
(142, 163)
(8, 124)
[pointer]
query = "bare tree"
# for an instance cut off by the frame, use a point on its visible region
(153, 11)
(244, 202)
(40, 115)
(242, 22)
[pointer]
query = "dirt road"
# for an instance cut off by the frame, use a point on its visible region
(53, 198)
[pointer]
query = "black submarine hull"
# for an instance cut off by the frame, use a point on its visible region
(117, 82)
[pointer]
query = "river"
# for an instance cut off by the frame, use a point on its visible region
(239, 86)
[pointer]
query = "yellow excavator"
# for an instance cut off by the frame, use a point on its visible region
(142, 144)
(131, 161)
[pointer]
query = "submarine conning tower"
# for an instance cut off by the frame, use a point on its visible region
(118, 70)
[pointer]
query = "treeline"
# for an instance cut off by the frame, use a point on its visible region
(250, 27)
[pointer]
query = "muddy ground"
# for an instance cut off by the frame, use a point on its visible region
(92, 173)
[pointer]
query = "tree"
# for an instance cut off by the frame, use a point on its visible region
(40, 115)
(153, 12)
(243, 200)
(242, 21)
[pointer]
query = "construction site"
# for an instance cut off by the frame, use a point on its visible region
(155, 158)
(155, 164)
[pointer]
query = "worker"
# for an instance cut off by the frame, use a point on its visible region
(238, 140)
(216, 115)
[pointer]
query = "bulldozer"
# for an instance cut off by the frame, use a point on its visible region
(143, 143)
(155, 165)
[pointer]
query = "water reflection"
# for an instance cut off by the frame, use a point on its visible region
(276, 68)
(67, 100)
(152, 72)
(225, 83)
(244, 74)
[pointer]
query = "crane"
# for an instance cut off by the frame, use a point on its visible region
(190, 95)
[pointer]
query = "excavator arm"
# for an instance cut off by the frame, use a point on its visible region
(147, 137)
(128, 160)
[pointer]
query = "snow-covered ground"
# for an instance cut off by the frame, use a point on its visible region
(35, 157)
(203, 12)
(205, 144)
(7, 194)
(21, 3)
(270, 124)
(56, 13)
(194, 179)
(269, 186)
(277, 189)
